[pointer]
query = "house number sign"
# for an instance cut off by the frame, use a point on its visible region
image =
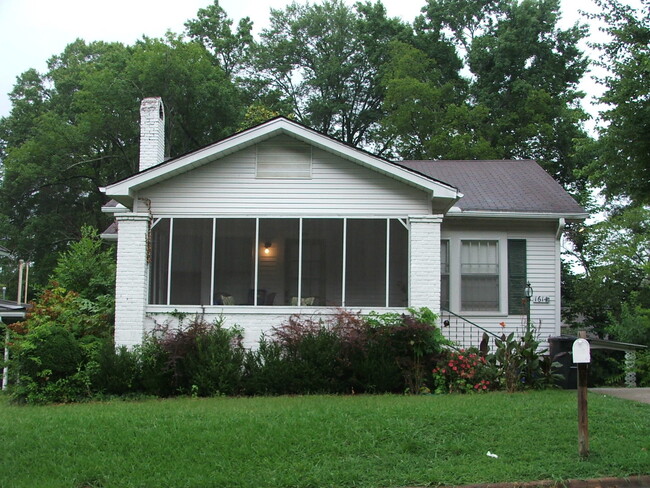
(541, 299)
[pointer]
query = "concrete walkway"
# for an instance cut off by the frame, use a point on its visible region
(637, 394)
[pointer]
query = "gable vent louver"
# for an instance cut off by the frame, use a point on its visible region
(284, 158)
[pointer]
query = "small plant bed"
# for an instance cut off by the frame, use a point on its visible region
(307, 441)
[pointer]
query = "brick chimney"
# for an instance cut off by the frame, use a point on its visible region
(152, 132)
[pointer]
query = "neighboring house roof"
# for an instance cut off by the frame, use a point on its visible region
(508, 186)
(13, 310)
(124, 191)
(110, 233)
(113, 206)
(4, 251)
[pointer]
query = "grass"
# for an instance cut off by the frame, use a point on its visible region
(360, 441)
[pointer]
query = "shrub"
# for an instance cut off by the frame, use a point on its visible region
(462, 372)
(200, 358)
(520, 364)
(310, 352)
(265, 369)
(88, 268)
(51, 366)
(216, 364)
(52, 347)
(643, 368)
(414, 342)
(346, 353)
(116, 371)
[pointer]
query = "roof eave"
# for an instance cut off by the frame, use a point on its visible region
(109, 237)
(518, 215)
(13, 315)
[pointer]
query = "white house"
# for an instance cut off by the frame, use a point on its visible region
(280, 219)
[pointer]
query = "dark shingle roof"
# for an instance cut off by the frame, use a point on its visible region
(111, 203)
(501, 185)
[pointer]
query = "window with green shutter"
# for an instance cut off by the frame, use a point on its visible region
(516, 276)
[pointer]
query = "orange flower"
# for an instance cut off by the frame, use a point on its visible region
(502, 324)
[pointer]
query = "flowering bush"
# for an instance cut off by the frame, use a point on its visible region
(462, 372)
(520, 364)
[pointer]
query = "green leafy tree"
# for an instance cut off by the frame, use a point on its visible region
(427, 115)
(520, 99)
(622, 166)
(88, 268)
(325, 60)
(213, 29)
(74, 129)
(615, 256)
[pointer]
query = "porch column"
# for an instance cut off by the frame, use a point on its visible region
(424, 261)
(131, 281)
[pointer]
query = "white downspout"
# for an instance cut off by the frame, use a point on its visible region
(561, 224)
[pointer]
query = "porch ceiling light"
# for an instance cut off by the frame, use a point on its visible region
(267, 247)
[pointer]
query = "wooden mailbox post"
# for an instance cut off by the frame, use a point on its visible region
(582, 357)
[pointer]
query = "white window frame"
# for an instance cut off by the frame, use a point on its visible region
(455, 239)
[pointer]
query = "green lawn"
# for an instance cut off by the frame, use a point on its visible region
(315, 441)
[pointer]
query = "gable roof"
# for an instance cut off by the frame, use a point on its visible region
(502, 186)
(124, 191)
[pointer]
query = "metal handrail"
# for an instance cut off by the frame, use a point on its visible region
(465, 319)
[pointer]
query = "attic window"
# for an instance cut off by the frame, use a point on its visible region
(283, 158)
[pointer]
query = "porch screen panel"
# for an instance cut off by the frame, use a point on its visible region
(398, 265)
(278, 270)
(444, 274)
(322, 261)
(191, 262)
(234, 261)
(479, 267)
(159, 266)
(365, 276)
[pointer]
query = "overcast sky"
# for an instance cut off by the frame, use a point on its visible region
(31, 31)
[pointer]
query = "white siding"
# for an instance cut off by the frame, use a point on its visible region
(229, 186)
(542, 272)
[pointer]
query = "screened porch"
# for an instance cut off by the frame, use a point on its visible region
(259, 262)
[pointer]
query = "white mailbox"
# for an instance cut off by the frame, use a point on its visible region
(581, 352)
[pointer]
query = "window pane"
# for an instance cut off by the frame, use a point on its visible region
(322, 261)
(399, 254)
(444, 274)
(191, 262)
(278, 269)
(159, 267)
(479, 275)
(234, 262)
(365, 278)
